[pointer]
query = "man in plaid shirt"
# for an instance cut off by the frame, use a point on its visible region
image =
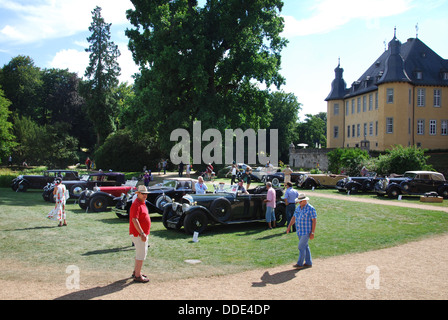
(305, 217)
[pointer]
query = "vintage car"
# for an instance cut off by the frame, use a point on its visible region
(160, 194)
(273, 175)
(98, 199)
(75, 187)
(226, 206)
(357, 184)
(25, 182)
(318, 180)
(413, 183)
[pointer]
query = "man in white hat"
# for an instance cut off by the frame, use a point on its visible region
(139, 228)
(305, 218)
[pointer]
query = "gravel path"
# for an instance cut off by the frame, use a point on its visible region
(416, 270)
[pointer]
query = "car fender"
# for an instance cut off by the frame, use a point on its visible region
(203, 209)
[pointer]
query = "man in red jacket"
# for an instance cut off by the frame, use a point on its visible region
(139, 226)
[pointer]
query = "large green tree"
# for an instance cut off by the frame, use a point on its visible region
(102, 74)
(205, 63)
(22, 84)
(6, 136)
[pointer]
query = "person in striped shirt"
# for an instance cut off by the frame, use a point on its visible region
(304, 218)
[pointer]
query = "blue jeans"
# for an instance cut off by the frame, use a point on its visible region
(289, 213)
(304, 251)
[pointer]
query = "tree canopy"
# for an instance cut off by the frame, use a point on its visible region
(205, 63)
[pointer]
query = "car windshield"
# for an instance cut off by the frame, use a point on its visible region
(169, 183)
(226, 188)
(410, 175)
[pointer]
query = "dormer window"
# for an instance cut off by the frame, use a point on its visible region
(445, 75)
(419, 75)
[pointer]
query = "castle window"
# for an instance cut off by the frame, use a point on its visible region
(389, 125)
(437, 94)
(444, 127)
(390, 95)
(336, 131)
(336, 109)
(432, 127)
(421, 126)
(421, 92)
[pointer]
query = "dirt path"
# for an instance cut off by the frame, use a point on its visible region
(416, 270)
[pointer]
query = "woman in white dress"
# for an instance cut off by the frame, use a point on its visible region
(60, 197)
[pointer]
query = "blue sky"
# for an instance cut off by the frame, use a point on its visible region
(53, 33)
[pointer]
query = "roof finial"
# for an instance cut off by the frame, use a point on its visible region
(339, 62)
(416, 30)
(395, 32)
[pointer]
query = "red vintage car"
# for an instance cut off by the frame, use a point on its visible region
(100, 198)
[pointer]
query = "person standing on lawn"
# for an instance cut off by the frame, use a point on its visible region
(139, 228)
(305, 218)
(270, 206)
(290, 201)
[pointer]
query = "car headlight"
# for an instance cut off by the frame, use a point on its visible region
(77, 191)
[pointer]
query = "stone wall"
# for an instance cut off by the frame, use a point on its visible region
(309, 158)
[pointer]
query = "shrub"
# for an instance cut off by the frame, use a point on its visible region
(400, 159)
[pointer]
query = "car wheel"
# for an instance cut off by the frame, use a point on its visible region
(393, 193)
(168, 213)
(98, 204)
(310, 185)
(443, 192)
(82, 201)
(280, 215)
(221, 209)
(22, 187)
(367, 185)
(123, 216)
(353, 188)
(405, 186)
(276, 182)
(195, 221)
(162, 201)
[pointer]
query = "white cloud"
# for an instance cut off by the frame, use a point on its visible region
(329, 14)
(53, 19)
(77, 61)
(73, 60)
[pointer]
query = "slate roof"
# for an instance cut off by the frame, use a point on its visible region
(412, 62)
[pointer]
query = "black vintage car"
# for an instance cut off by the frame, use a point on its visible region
(75, 187)
(169, 190)
(413, 183)
(25, 182)
(196, 211)
(357, 184)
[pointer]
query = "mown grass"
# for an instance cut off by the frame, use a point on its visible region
(99, 242)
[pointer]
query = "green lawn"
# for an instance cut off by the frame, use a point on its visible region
(99, 242)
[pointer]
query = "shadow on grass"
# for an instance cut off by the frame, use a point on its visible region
(106, 251)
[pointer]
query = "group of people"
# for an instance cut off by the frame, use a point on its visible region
(301, 219)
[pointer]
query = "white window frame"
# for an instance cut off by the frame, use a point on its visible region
(421, 95)
(437, 98)
(420, 126)
(389, 125)
(432, 127)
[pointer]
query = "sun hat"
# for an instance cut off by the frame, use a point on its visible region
(302, 197)
(142, 189)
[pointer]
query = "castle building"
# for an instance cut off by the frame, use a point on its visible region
(402, 98)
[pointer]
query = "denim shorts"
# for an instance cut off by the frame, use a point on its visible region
(270, 214)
